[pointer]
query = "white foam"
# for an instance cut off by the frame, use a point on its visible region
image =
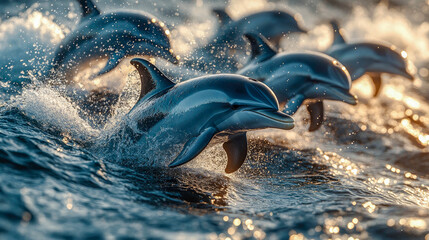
(54, 112)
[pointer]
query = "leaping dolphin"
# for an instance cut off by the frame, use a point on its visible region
(112, 36)
(221, 51)
(296, 77)
(220, 107)
(368, 57)
(272, 24)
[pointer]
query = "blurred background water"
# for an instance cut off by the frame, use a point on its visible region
(363, 175)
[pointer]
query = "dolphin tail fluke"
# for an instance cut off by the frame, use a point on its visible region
(316, 115)
(152, 79)
(222, 16)
(236, 150)
(193, 147)
(89, 9)
(338, 37)
(261, 48)
(376, 79)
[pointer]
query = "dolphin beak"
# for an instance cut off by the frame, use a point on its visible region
(301, 30)
(171, 57)
(401, 72)
(407, 75)
(341, 95)
(391, 69)
(351, 99)
(157, 50)
(275, 119)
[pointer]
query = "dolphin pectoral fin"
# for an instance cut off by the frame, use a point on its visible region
(110, 65)
(338, 37)
(376, 79)
(236, 150)
(193, 147)
(88, 9)
(261, 48)
(316, 115)
(293, 104)
(222, 16)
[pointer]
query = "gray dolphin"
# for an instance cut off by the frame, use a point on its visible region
(272, 24)
(221, 51)
(112, 36)
(368, 57)
(221, 107)
(296, 77)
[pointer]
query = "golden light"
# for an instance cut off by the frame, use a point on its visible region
(237, 222)
(411, 102)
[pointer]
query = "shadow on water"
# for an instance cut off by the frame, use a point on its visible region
(182, 188)
(417, 162)
(296, 167)
(345, 131)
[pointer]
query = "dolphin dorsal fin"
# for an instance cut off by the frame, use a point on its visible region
(89, 9)
(222, 16)
(152, 79)
(338, 37)
(261, 48)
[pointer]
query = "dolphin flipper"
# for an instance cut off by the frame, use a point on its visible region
(376, 79)
(293, 104)
(194, 147)
(88, 9)
(152, 79)
(316, 115)
(261, 48)
(222, 16)
(338, 37)
(111, 64)
(236, 150)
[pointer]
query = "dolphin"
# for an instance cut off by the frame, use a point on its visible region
(218, 107)
(299, 77)
(272, 24)
(368, 58)
(111, 36)
(221, 51)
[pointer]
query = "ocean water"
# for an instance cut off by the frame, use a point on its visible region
(363, 175)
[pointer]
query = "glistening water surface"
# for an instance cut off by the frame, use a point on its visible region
(363, 175)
